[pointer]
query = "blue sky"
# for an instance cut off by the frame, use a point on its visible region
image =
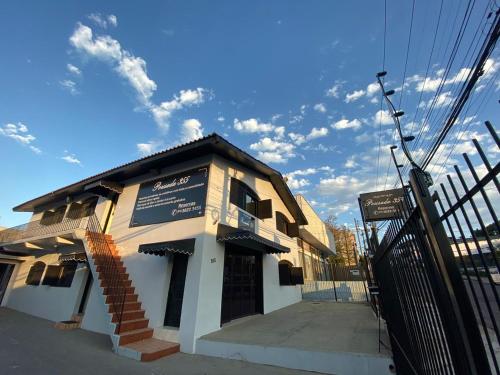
(87, 86)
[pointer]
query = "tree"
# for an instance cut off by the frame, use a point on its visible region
(345, 242)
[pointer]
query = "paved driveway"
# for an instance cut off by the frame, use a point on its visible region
(30, 345)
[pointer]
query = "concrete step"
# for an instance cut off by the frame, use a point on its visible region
(108, 290)
(150, 349)
(135, 335)
(129, 315)
(103, 268)
(128, 306)
(118, 298)
(106, 283)
(132, 325)
(111, 276)
(104, 259)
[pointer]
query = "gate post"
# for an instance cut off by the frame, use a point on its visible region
(457, 314)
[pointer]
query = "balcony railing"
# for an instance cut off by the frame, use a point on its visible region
(37, 229)
(104, 257)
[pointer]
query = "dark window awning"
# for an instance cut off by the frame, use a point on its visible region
(73, 257)
(248, 239)
(162, 248)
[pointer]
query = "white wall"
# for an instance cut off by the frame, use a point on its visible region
(52, 303)
(96, 317)
(150, 274)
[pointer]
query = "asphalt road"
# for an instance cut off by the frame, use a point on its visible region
(483, 298)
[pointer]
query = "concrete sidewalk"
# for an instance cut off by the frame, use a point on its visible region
(30, 345)
(329, 337)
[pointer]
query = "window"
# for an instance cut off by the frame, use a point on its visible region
(35, 273)
(86, 208)
(284, 226)
(285, 273)
(52, 275)
(281, 222)
(59, 275)
(245, 198)
(67, 274)
(53, 216)
(290, 275)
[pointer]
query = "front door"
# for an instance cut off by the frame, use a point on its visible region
(242, 284)
(176, 291)
(5, 273)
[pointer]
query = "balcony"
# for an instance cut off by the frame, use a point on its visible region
(41, 234)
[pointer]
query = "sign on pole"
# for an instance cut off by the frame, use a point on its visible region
(381, 205)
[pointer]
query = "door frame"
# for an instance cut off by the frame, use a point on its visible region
(175, 256)
(259, 292)
(12, 278)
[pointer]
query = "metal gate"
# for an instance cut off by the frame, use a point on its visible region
(344, 284)
(436, 268)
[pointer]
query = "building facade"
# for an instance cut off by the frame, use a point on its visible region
(169, 247)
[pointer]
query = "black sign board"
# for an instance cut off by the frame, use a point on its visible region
(177, 197)
(381, 205)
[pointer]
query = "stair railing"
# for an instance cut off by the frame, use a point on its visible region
(109, 268)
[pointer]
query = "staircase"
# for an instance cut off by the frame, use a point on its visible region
(132, 336)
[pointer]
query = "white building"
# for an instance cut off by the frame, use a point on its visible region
(161, 250)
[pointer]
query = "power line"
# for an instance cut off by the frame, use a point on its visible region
(467, 87)
(380, 117)
(407, 53)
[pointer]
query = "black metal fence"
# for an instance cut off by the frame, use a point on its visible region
(437, 272)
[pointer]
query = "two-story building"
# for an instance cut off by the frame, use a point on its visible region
(161, 250)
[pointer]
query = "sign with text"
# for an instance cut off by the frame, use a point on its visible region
(177, 197)
(381, 205)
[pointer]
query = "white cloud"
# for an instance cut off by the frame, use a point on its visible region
(102, 47)
(279, 131)
(346, 124)
(272, 151)
(299, 139)
(221, 119)
(133, 69)
(70, 158)
(355, 95)
(317, 133)
(186, 98)
(103, 21)
(20, 133)
(149, 148)
(296, 183)
(252, 125)
(113, 20)
(191, 130)
(320, 107)
(73, 69)
(70, 86)
(383, 117)
(351, 162)
(372, 89)
(334, 91)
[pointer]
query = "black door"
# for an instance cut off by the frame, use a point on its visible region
(242, 284)
(176, 291)
(5, 273)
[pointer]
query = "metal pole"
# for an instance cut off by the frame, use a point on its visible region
(398, 166)
(370, 247)
(458, 316)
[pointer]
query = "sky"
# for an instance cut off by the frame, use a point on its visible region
(86, 86)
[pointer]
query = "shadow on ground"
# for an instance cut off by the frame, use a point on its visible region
(30, 345)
